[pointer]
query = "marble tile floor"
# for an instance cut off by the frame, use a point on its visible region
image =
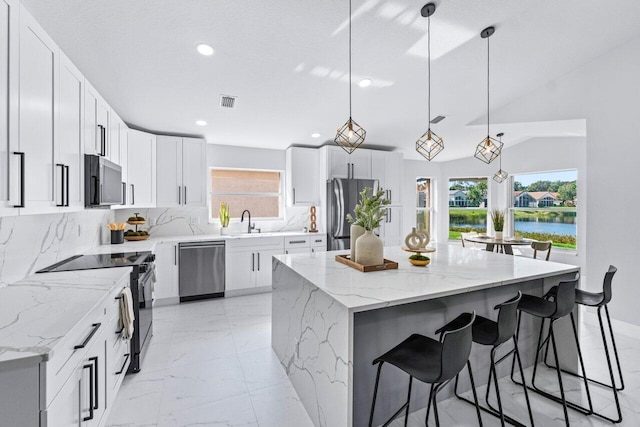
(210, 363)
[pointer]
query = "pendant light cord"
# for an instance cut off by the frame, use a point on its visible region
(429, 69)
(349, 59)
(488, 66)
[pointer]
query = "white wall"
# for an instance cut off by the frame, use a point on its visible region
(605, 92)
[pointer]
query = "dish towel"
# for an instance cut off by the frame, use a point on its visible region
(154, 279)
(126, 313)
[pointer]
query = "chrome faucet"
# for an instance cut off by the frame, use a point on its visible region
(249, 226)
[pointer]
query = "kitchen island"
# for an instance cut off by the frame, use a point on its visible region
(330, 321)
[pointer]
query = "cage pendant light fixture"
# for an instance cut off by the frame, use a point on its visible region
(501, 175)
(489, 148)
(429, 144)
(350, 135)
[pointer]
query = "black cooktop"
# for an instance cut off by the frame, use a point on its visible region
(90, 262)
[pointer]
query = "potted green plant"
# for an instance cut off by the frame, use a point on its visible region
(224, 218)
(497, 217)
(369, 214)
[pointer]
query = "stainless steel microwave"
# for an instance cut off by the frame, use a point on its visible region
(102, 183)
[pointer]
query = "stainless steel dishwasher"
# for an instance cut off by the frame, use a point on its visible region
(201, 270)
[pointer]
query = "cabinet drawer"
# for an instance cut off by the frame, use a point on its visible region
(318, 240)
(293, 242)
(83, 336)
(253, 242)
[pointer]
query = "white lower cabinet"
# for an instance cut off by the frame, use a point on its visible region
(166, 289)
(248, 263)
(305, 244)
(79, 384)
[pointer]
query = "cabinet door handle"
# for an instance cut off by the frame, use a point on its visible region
(175, 255)
(253, 262)
(90, 367)
(293, 242)
(94, 329)
(258, 261)
(126, 359)
(133, 194)
(61, 166)
(294, 196)
(96, 400)
(318, 240)
(353, 170)
(185, 194)
(120, 331)
(66, 168)
(124, 193)
(22, 155)
(179, 194)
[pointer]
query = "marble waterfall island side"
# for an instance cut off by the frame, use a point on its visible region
(330, 321)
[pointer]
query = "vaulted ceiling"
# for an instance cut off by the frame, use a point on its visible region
(287, 63)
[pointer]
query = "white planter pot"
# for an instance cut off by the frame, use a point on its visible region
(498, 235)
(356, 231)
(224, 231)
(369, 249)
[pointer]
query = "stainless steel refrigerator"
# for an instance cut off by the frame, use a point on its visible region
(342, 197)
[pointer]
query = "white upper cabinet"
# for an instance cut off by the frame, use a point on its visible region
(302, 166)
(387, 169)
(391, 229)
(70, 131)
(97, 123)
(169, 171)
(194, 172)
(181, 172)
(356, 165)
(118, 143)
(141, 169)
(9, 12)
(37, 114)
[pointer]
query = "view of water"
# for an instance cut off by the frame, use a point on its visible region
(533, 227)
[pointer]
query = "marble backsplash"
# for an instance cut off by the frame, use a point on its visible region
(31, 242)
(195, 221)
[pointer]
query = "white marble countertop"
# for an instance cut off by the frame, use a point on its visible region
(452, 270)
(149, 244)
(37, 312)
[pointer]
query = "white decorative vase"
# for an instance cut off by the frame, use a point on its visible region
(414, 240)
(356, 231)
(498, 235)
(369, 249)
(425, 235)
(224, 231)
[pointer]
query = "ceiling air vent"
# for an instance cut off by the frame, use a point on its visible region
(438, 119)
(227, 101)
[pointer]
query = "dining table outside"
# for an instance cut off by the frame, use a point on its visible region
(504, 245)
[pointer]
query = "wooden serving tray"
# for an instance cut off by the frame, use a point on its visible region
(387, 265)
(135, 238)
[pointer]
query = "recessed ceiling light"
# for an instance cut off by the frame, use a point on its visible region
(365, 83)
(315, 135)
(201, 123)
(204, 49)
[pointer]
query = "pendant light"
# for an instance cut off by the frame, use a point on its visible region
(501, 175)
(429, 144)
(489, 148)
(350, 135)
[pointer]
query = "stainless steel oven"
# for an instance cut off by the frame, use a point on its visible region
(142, 290)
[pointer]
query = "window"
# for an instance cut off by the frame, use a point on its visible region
(544, 207)
(467, 206)
(259, 191)
(423, 203)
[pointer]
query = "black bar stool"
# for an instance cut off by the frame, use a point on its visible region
(489, 332)
(600, 300)
(561, 306)
(432, 362)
